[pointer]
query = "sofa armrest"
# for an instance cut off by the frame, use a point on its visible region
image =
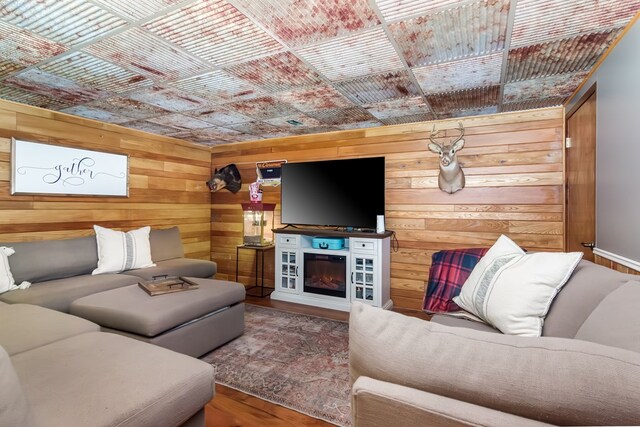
(554, 380)
(378, 403)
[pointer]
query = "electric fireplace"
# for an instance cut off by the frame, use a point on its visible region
(325, 274)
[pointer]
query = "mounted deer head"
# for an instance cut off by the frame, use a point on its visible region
(451, 178)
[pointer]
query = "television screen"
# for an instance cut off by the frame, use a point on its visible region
(343, 193)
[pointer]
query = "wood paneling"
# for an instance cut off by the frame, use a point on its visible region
(614, 265)
(166, 182)
(514, 168)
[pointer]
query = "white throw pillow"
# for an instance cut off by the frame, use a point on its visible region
(7, 283)
(119, 251)
(513, 290)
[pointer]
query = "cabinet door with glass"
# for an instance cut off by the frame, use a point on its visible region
(364, 278)
(287, 270)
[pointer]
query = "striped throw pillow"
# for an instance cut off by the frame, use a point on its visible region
(119, 251)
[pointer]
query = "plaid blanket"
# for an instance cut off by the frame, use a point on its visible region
(449, 270)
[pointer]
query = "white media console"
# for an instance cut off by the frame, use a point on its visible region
(332, 278)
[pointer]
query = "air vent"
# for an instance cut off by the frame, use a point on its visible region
(294, 122)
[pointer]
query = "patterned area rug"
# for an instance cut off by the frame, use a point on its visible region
(294, 360)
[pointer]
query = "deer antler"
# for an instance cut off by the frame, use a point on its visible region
(461, 129)
(434, 133)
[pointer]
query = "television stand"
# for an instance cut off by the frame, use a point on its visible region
(333, 278)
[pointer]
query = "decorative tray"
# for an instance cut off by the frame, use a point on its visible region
(167, 285)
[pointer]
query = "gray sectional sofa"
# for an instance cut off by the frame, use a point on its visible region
(584, 370)
(60, 270)
(61, 370)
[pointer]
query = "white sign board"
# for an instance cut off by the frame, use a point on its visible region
(50, 169)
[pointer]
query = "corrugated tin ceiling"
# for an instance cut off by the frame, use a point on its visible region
(220, 71)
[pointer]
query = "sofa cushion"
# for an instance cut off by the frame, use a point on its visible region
(616, 320)
(25, 327)
(176, 267)
(42, 260)
(587, 287)
(14, 408)
(119, 250)
(461, 322)
(555, 380)
(166, 244)
(58, 294)
(101, 379)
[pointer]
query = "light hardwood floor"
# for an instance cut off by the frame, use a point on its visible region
(233, 408)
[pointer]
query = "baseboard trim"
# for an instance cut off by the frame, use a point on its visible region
(635, 265)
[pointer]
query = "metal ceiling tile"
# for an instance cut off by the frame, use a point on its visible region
(398, 107)
(265, 107)
(462, 74)
(146, 126)
(69, 22)
(219, 84)
(283, 71)
(128, 107)
(408, 119)
(472, 29)
(558, 57)
(537, 21)
(357, 55)
(444, 103)
(22, 47)
(381, 87)
(532, 104)
(179, 121)
(294, 122)
(469, 112)
(90, 71)
(135, 10)
(258, 128)
(393, 10)
(360, 125)
(316, 130)
(95, 114)
(30, 98)
(9, 67)
(341, 116)
(169, 99)
(558, 86)
(47, 84)
(318, 98)
(216, 31)
(302, 22)
(219, 116)
(216, 133)
(146, 54)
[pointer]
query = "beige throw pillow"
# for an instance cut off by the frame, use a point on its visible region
(119, 251)
(513, 290)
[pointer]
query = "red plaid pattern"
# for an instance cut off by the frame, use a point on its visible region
(449, 270)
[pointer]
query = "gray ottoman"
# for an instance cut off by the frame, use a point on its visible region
(192, 322)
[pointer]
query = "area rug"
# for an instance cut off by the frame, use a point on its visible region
(294, 360)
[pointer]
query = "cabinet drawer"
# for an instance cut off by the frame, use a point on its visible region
(288, 240)
(363, 246)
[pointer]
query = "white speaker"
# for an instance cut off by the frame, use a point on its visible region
(380, 224)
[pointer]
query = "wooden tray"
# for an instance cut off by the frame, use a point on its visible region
(169, 285)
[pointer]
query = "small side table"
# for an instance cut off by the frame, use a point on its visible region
(258, 250)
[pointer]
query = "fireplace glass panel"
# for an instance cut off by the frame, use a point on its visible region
(325, 274)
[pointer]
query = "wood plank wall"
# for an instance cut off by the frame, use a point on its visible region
(614, 265)
(167, 182)
(514, 171)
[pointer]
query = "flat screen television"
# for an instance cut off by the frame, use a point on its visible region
(341, 193)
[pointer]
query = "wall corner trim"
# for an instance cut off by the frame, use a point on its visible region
(635, 265)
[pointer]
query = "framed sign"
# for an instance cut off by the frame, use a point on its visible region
(38, 168)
